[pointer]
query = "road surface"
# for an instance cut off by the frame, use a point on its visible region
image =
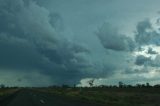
(34, 98)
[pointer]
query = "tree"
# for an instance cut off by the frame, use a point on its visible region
(138, 85)
(147, 84)
(91, 82)
(121, 84)
(65, 86)
(2, 86)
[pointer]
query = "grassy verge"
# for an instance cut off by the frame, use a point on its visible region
(7, 91)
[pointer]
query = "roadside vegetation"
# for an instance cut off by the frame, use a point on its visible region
(122, 95)
(7, 92)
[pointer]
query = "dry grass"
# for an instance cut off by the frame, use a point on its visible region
(7, 91)
(111, 96)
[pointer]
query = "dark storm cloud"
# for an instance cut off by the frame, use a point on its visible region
(111, 39)
(142, 60)
(33, 40)
(83, 17)
(29, 40)
(56, 21)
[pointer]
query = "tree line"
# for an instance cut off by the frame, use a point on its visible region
(92, 85)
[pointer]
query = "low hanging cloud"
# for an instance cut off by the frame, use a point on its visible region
(29, 40)
(113, 40)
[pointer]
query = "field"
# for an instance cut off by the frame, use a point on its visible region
(110, 96)
(94, 96)
(7, 93)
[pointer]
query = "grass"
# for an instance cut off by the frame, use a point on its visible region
(110, 96)
(7, 91)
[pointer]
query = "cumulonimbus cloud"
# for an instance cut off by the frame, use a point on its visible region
(29, 40)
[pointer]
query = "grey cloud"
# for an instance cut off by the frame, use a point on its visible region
(146, 34)
(118, 48)
(142, 60)
(147, 61)
(156, 62)
(143, 26)
(135, 71)
(29, 40)
(111, 39)
(56, 21)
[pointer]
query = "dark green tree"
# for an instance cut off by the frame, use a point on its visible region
(121, 84)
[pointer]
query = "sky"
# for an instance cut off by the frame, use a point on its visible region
(55, 42)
